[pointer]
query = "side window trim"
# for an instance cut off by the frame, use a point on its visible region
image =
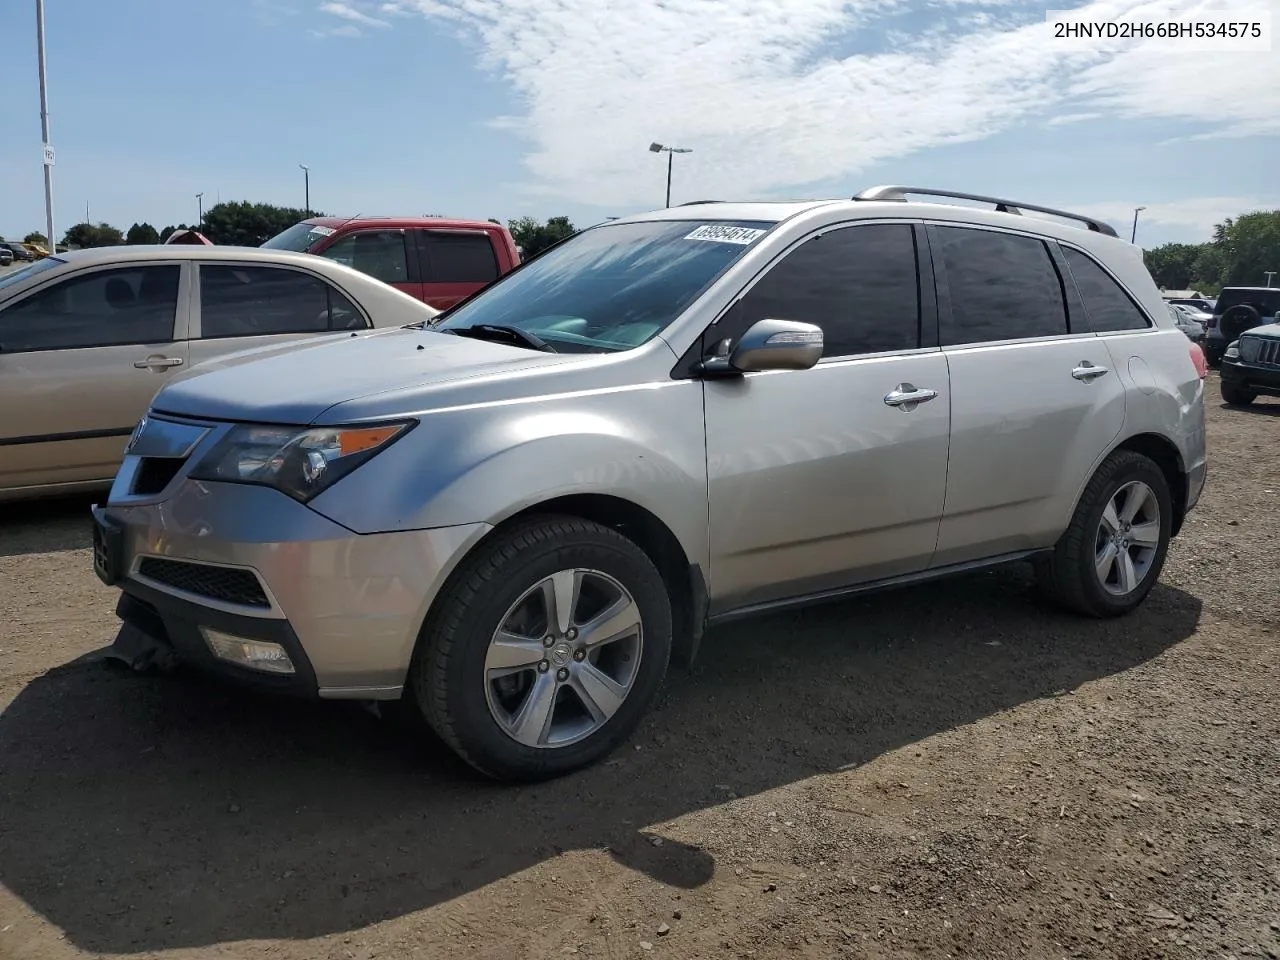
(175, 329)
(196, 323)
(944, 289)
(1138, 305)
(927, 300)
(1078, 320)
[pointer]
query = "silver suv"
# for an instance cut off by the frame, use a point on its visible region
(509, 519)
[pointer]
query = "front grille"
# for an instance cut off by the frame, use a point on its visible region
(1260, 350)
(154, 474)
(226, 584)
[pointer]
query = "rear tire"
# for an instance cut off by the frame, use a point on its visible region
(516, 669)
(1088, 572)
(1237, 396)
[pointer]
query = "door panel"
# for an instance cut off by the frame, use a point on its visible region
(1025, 435)
(1034, 401)
(68, 405)
(816, 483)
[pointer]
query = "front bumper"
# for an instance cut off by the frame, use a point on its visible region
(252, 562)
(1255, 378)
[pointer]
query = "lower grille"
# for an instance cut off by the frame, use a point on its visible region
(226, 584)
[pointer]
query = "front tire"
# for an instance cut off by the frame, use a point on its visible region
(1111, 554)
(544, 650)
(1236, 395)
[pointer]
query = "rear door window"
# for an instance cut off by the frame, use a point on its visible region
(238, 301)
(447, 257)
(1002, 286)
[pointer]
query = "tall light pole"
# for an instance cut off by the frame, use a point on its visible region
(44, 130)
(200, 212)
(670, 152)
(1134, 235)
(1270, 274)
(306, 187)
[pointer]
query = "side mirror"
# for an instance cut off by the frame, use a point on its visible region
(770, 345)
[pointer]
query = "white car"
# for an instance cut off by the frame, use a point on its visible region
(87, 338)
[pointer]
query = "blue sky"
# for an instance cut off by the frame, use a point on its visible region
(501, 108)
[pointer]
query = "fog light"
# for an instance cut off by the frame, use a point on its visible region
(254, 654)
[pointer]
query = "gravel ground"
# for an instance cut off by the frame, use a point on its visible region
(950, 770)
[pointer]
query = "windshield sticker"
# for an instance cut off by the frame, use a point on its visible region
(725, 234)
(323, 231)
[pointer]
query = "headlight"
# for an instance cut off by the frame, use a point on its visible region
(299, 461)
(1233, 350)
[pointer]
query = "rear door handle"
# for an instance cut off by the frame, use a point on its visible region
(907, 395)
(157, 363)
(1088, 372)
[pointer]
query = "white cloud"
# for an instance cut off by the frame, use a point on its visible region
(767, 97)
(348, 12)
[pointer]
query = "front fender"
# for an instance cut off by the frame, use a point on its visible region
(485, 463)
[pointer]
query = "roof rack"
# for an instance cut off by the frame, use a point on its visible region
(1002, 206)
(694, 203)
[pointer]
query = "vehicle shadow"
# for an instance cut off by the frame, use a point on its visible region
(147, 813)
(50, 525)
(1261, 408)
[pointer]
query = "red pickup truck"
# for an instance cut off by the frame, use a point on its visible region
(440, 262)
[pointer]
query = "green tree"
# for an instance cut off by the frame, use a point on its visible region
(141, 233)
(1171, 264)
(88, 235)
(247, 224)
(35, 236)
(533, 237)
(1250, 246)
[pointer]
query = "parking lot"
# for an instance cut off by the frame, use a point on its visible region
(946, 770)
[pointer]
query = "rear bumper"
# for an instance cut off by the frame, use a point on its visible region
(254, 563)
(1247, 376)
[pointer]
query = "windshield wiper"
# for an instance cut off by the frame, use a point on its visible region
(502, 331)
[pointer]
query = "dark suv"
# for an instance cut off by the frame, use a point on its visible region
(20, 251)
(1239, 309)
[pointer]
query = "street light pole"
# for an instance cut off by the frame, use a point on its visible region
(670, 152)
(1134, 236)
(200, 212)
(44, 129)
(1270, 274)
(306, 186)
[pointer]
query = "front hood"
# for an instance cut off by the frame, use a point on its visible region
(297, 382)
(1268, 331)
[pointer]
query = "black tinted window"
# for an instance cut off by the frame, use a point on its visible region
(456, 257)
(858, 284)
(106, 308)
(240, 301)
(1003, 287)
(379, 253)
(1108, 306)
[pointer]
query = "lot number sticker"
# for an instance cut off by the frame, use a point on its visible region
(724, 234)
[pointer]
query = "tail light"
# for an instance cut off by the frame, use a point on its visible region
(1197, 358)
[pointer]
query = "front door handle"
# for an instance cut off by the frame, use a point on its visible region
(158, 363)
(1088, 372)
(906, 396)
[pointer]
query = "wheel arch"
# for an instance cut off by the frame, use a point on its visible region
(685, 579)
(1165, 454)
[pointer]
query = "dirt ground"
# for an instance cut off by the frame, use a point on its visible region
(951, 770)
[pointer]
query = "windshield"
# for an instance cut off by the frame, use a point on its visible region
(611, 287)
(300, 238)
(17, 276)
